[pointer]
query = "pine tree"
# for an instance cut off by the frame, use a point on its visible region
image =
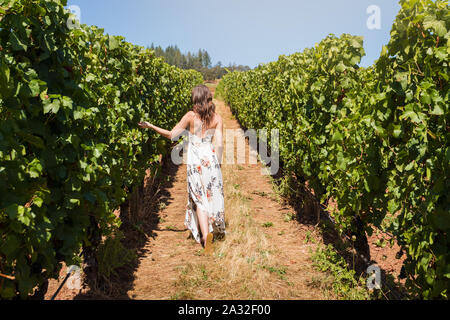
(200, 61)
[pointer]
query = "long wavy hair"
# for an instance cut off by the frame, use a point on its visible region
(202, 100)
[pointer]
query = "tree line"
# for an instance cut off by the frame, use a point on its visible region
(200, 61)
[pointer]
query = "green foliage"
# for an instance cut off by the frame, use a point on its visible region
(289, 217)
(267, 224)
(412, 90)
(112, 255)
(280, 271)
(343, 282)
(376, 140)
(70, 101)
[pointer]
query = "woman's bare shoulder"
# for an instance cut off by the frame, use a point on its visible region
(190, 114)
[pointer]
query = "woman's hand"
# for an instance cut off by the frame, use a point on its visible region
(145, 125)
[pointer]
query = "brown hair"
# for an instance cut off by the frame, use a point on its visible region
(202, 101)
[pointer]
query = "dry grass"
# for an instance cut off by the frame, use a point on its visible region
(244, 262)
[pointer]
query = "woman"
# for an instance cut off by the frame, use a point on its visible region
(205, 212)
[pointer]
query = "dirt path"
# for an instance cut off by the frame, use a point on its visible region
(264, 255)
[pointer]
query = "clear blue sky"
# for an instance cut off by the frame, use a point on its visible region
(247, 32)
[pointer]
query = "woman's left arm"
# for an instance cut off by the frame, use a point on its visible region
(176, 131)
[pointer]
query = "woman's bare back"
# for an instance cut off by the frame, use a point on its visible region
(198, 128)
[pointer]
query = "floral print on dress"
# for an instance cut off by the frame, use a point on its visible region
(205, 187)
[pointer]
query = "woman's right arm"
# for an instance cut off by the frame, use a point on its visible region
(176, 131)
(147, 125)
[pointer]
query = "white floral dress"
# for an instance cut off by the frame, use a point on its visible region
(205, 186)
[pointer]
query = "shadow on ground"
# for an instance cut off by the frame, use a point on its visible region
(309, 211)
(145, 204)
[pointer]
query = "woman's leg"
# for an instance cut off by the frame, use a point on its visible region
(203, 221)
